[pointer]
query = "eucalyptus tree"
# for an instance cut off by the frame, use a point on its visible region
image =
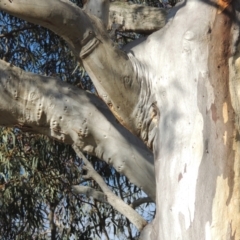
(176, 90)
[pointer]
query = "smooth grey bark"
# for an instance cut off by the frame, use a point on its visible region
(111, 198)
(99, 9)
(49, 106)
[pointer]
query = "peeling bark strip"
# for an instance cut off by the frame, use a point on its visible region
(48, 106)
(225, 215)
(197, 157)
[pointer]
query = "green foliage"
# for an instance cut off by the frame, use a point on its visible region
(35, 174)
(36, 178)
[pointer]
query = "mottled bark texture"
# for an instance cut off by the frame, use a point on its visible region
(178, 90)
(197, 150)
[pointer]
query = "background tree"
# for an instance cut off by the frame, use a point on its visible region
(188, 117)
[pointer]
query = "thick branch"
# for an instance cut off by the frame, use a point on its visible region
(62, 17)
(112, 199)
(121, 81)
(128, 17)
(135, 17)
(98, 8)
(48, 106)
(90, 192)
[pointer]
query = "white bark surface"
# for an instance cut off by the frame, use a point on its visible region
(120, 79)
(179, 91)
(197, 148)
(48, 106)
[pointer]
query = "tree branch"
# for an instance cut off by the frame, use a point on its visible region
(98, 8)
(136, 18)
(90, 192)
(121, 81)
(129, 17)
(140, 201)
(112, 199)
(48, 106)
(62, 17)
